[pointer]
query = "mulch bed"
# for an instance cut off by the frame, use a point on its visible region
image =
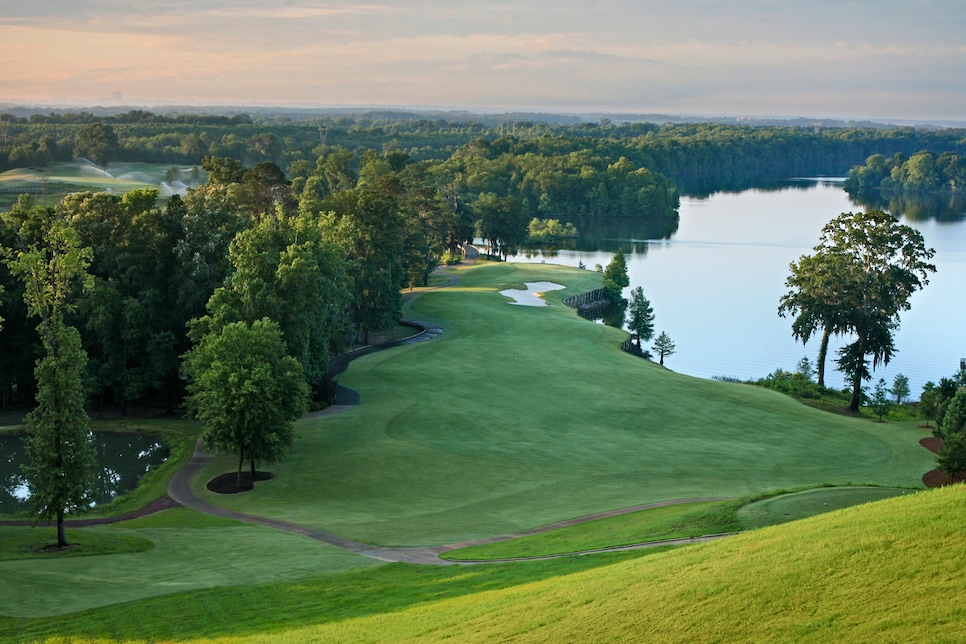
(937, 478)
(228, 483)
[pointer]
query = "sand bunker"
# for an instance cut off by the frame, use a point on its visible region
(531, 296)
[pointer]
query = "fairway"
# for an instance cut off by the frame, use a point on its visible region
(520, 416)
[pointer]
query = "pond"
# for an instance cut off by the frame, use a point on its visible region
(123, 458)
(716, 277)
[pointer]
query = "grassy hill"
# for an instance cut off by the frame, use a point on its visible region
(888, 571)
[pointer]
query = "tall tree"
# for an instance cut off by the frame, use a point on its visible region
(246, 391)
(502, 222)
(616, 278)
(860, 278)
(900, 387)
(640, 317)
(663, 346)
(98, 142)
(60, 474)
(817, 300)
(888, 262)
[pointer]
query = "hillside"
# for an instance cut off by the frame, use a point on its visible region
(888, 571)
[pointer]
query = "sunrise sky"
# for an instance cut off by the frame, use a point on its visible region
(815, 58)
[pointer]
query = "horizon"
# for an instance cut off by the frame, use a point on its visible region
(863, 61)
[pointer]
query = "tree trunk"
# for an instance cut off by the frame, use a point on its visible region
(856, 394)
(241, 461)
(252, 461)
(61, 535)
(822, 354)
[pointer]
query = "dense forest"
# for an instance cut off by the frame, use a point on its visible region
(697, 157)
(320, 225)
(924, 171)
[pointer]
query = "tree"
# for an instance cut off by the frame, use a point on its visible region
(928, 401)
(900, 387)
(663, 346)
(502, 221)
(864, 270)
(60, 473)
(615, 277)
(954, 420)
(640, 317)
(881, 403)
(98, 142)
(816, 299)
(246, 391)
(952, 456)
(805, 368)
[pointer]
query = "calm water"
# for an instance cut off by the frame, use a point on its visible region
(123, 458)
(716, 280)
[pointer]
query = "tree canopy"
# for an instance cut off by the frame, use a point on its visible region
(246, 391)
(857, 282)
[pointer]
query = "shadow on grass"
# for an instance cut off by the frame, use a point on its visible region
(247, 610)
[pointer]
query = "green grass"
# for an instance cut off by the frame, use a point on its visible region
(30, 543)
(677, 521)
(518, 417)
(800, 505)
(192, 555)
(667, 522)
(887, 571)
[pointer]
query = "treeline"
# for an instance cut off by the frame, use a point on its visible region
(325, 258)
(924, 171)
(700, 157)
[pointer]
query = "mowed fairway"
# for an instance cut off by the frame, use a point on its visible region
(519, 416)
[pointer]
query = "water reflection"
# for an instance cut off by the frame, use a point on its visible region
(123, 458)
(945, 208)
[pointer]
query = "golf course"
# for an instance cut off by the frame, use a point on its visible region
(513, 419)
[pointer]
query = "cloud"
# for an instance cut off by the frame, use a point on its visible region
(687, 55)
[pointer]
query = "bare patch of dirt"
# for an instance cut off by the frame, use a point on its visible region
(938, 478)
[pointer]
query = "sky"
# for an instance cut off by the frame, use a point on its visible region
(876, 59)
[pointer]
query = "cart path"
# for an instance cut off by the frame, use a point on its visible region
(179, 489)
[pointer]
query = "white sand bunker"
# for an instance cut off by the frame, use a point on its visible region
(531, 296)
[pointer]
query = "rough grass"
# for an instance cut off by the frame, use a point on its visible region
(518, 417)
(888, 571)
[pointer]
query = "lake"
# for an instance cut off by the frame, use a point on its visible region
(122, 457)
(716, 278)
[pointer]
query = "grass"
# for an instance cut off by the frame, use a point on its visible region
(28, 543)
(518, 417)
(189, 555)
(667, 522)
(677, 521)
(887, 571)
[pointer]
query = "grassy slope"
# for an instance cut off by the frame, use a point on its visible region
(887, 571)
(518, 417)
(891, 571)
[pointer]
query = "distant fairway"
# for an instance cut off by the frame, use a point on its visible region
(518, 417)
(82, 175)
